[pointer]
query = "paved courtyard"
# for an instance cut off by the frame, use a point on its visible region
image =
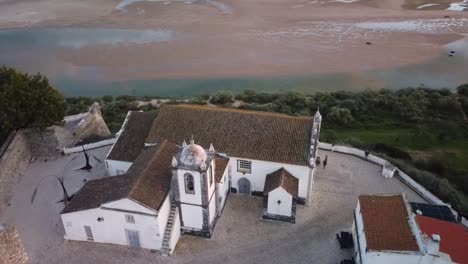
(241, 235)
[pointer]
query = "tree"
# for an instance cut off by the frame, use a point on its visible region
(463, 89)
(28, 101)
(107, 98)
(340, 116)
(222, 98)
(290, 103)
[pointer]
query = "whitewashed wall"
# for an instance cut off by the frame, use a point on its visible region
(112, 229)
(192, 216)
(260, 169)
(113, 166)
(285, 207)
(175, 232)
(210, 173)
(359, 227)
(406, 258)
(128, 205)
(222, 189)
(212, 209)
(102, 143)
(187, 197)
(163, 214)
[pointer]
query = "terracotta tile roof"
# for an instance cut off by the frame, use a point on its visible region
(11, 247)
(147, 181)
(132, 139)
(97, 192)
(220, 167)
(154, 181)
(386, 225)
(281, 178)
(238, 133)
(453, 237)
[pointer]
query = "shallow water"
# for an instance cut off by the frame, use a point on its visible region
(35, 50)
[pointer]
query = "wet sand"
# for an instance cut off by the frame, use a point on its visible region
(231, 38)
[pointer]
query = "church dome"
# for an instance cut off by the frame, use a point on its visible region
(193, 155)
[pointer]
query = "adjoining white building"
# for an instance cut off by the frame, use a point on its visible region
(281, 189)
(161, 187)
(386, 231)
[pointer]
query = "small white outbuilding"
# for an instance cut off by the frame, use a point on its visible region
(281, 192)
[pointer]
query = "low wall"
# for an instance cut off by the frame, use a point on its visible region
(13, 163)
(402, 176)
(102, 143)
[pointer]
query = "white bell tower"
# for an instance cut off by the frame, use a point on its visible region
(194, 189)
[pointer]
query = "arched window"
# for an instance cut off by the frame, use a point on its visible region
(189, 185)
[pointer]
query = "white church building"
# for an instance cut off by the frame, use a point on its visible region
(171, 174)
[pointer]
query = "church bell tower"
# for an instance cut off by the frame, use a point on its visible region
(194, 189)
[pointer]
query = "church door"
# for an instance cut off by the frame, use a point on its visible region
(244, 186)
(133, 238)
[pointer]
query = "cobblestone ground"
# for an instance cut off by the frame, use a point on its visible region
(241, 235)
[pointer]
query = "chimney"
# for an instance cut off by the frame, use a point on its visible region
(433, 244)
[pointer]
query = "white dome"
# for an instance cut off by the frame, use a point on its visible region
(193, 155)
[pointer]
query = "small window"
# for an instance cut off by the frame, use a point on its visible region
(244, 166)
(130, 219)
(189, 185)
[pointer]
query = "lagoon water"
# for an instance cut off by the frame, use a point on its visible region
(35, 50)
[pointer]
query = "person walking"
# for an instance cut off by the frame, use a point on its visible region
(325, 161)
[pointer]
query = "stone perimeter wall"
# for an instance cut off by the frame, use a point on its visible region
(13, 164)
(403, 177)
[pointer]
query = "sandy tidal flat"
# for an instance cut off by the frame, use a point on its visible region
(227, 38)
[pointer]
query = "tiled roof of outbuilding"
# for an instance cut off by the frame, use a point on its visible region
(386, 223)
(147, 181)
(281, 178)
(239, 133)
(220, 167)
(132, 139)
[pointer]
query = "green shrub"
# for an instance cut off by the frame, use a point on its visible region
(107, 98)
(222, 98)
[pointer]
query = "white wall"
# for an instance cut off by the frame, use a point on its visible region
(112, 229)
(211, 173)
(260, 169)
(112, 166)
(362, 243)
(285, 207)
(175, 232)
(392, 258)
(212, 209)
(222, 189)
(105, 142)
(187, 197)
(191, 204)
(129, 205)
(163, 214)
(192, 216)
